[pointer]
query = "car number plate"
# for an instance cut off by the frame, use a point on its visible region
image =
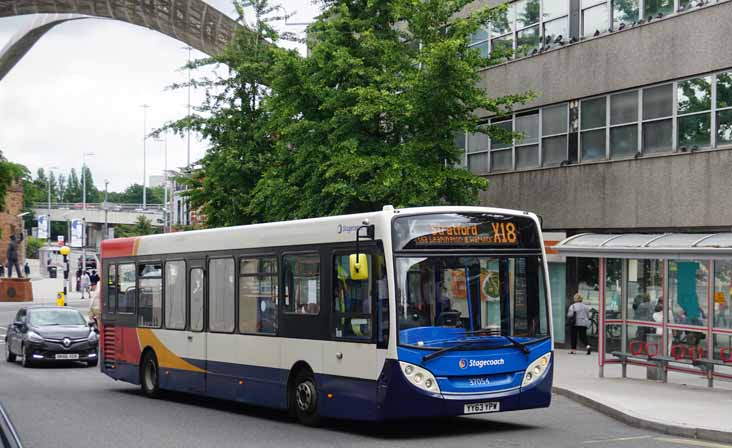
(67, 356)
(478, 408)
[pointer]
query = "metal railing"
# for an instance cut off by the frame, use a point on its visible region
(78, 206)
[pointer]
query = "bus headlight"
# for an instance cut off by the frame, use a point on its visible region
(536, 369)
(420, 377)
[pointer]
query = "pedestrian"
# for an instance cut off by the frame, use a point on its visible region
(2, 270)
(26, 269)
(579, 319)
(85, 285)
(12, 256)
(94, 278)
(48, 265)
(78, 279)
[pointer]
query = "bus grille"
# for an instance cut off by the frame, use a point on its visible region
(109, 346)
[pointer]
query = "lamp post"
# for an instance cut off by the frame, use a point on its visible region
(50, 170)
(83, 219)
(188, 158)
(106, 209)
(165, 183)
(145, 107)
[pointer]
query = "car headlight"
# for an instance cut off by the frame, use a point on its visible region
(536, 369)
(34, 337)
(420, 377)
(93, 336)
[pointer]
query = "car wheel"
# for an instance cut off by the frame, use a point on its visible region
(9, 356)
(149, 378)
(27, 356)
(304, 399)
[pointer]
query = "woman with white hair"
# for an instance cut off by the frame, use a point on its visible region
(579, 319)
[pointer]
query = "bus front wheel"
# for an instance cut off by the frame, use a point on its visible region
(304, 399)
(149, 379)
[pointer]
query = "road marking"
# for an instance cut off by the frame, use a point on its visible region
(691, 442)
(618, 439)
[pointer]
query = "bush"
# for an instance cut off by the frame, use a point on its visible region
(32, 246)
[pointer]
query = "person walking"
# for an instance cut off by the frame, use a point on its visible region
(85, 285)
(579, 319)
(26, 269)
(12, 256)
(94, 278)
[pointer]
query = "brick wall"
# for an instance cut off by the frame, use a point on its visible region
(9, 221)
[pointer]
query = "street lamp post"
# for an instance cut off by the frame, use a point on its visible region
(165, 183)
(83, 219)
(106, 209)
(145, 107)
(49, 204)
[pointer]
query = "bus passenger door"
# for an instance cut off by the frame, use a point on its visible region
(195, 334)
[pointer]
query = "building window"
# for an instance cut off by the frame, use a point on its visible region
(527, 26)
(593, 120)
(502, 34)
(527, 148)
(477, 148)
(658, 104)
(258, 295)
(554, 122)
(175, 295)
(651, 8)
(724, 108)
(150, 298)
(479, 41)
(624, 12)
(500, 154)
(624, 124)
(694, 103)
(595, 17)
(302, 283)
(221, 295)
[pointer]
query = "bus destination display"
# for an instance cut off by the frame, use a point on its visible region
(461, 230)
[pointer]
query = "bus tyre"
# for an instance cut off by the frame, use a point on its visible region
(27, 356)
(149, 378)
(304, 399)
(9, 356)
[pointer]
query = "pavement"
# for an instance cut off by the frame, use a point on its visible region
(683, 406)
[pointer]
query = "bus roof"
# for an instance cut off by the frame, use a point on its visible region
(330, 229)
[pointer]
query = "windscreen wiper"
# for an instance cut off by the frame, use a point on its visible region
(523, 346)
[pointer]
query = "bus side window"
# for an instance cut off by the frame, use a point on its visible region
(126, 292)
(110, 295)
(302, 283)
(196, 299)
(150, 297)
(352, 301)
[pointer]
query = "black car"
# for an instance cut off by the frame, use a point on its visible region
(50, 334)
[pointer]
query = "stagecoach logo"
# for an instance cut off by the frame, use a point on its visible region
(346, 229)
(480, 363)
(67, 342)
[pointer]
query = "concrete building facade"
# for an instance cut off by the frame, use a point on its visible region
(630, 129)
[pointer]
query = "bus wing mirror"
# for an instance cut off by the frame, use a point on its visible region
(358, 266)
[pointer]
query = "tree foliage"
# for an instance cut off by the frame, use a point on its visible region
(141, 227)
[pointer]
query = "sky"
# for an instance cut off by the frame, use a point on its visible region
(80, 90)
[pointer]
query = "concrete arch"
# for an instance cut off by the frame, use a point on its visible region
(193, 22)
(22, 42)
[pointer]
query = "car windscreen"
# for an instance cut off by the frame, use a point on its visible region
(55, 317)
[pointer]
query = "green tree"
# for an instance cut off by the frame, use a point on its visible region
(367, 119)
(133, 195)
(141, 227)
(92, 193)
(61, 188)
(72, 193)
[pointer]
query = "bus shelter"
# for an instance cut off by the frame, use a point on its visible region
(662, 295)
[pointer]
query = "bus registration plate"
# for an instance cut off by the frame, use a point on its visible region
(67, 356)
(478, 408)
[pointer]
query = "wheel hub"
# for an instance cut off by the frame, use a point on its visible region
(150, 376)
(304, 396)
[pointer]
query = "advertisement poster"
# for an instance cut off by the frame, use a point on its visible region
(76, 232)
(42, 226)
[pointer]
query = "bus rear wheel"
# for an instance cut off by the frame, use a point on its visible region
(304, 399)
(149, 378)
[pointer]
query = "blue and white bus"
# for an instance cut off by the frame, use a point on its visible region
(434, 311)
